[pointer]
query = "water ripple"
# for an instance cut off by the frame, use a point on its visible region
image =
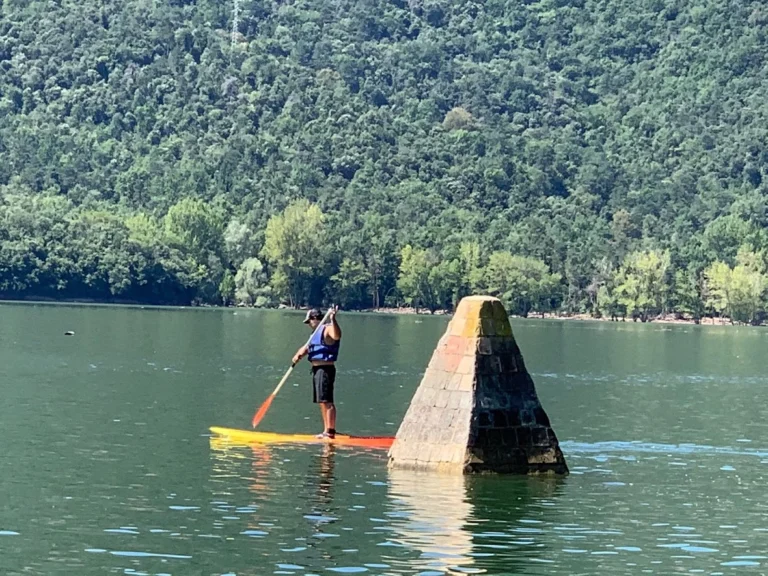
(656, 448)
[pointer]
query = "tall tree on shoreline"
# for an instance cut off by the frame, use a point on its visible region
(296, 245)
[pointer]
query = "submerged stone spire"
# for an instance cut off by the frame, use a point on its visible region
(476, 409)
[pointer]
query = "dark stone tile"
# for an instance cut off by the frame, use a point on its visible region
(499, 419)
(510, 436)
(541, 417)
(526, 417)
(539, 436)
(495, 437)
(508, 362)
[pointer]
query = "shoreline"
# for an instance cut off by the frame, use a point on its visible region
(667, 319)
(402, 310)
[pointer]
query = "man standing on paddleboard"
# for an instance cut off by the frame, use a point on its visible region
(322, 351)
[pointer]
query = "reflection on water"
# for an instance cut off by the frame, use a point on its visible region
(471, 524)
(320, 481)
(431, 513)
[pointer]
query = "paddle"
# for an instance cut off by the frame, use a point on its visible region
(268, 402)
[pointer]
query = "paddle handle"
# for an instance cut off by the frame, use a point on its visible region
(288, 373)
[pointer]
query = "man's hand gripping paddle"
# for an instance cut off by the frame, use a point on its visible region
(268, 402)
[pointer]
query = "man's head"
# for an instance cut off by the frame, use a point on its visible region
(313, 318)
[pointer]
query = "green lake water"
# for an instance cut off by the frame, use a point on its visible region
(108, 466)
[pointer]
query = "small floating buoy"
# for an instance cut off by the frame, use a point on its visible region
(69, 333)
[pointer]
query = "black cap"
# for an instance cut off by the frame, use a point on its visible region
(313, 313)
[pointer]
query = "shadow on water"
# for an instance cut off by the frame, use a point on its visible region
(472, 524)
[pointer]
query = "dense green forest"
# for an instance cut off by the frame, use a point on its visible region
(598, 156)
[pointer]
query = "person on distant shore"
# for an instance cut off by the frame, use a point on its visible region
(322, 352)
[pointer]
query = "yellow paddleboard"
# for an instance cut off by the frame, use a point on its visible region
(253, 437)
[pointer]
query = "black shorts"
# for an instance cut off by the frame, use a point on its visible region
(323, 379)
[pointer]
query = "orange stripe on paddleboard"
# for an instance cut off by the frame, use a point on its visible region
(253, 437)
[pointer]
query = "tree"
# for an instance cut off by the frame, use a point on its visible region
(251, 284)
(227, 288)
(296, 245)
(144, 229)
(524, 284)
(425, 280)
(413, 281)
(723, 236)
(379, 250)
(748, 293)
(641, 284)
(719, 287)
(469, 270)
(607, 303)
(195, 226)
(350, 282)
(458, 119)
(444, 280)
(738, 292)
(688, 293)
(239, 242)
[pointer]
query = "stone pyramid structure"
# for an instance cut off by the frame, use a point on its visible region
(476, 408)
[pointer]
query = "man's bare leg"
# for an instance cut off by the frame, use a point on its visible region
(330, 410)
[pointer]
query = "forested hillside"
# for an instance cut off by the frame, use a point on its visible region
(607, 156)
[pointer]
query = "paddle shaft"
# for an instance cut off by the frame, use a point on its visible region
(262, 410)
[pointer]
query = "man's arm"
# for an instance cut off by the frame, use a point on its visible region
(332, 331)
(300, 353)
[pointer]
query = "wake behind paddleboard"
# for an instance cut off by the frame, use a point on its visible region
(253, 437)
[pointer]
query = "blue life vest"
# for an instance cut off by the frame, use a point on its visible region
(319, 350)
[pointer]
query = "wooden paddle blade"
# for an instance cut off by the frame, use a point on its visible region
(262, 411)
